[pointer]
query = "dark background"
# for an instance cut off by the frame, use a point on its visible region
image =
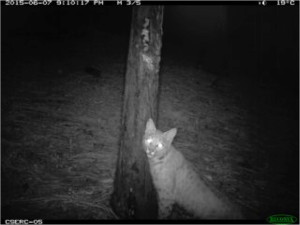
(262, 40)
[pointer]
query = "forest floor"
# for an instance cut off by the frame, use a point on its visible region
(61, 111)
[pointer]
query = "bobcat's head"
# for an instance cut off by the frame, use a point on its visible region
(156, 143)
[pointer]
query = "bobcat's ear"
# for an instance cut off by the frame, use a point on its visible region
(150, 126)
(170, 134)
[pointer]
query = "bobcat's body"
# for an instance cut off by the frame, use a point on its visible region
(176, 181)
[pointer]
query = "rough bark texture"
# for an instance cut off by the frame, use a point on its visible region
(134, 196)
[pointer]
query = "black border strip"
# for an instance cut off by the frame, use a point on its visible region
(150, 221)
(156, 2)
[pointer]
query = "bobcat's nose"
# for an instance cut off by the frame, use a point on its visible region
(149, 153)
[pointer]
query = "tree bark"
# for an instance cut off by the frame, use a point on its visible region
(134, 196)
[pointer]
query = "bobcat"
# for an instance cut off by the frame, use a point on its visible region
(176, 181)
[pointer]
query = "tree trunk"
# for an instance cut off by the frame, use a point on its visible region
(134, 196)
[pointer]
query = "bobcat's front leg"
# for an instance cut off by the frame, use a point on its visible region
(165, 208)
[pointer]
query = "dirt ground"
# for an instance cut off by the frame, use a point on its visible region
(61, 103)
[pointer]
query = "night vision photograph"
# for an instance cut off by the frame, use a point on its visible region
(147, 111)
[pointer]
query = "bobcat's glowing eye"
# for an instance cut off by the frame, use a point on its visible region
(148, 141)
(159, 145)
